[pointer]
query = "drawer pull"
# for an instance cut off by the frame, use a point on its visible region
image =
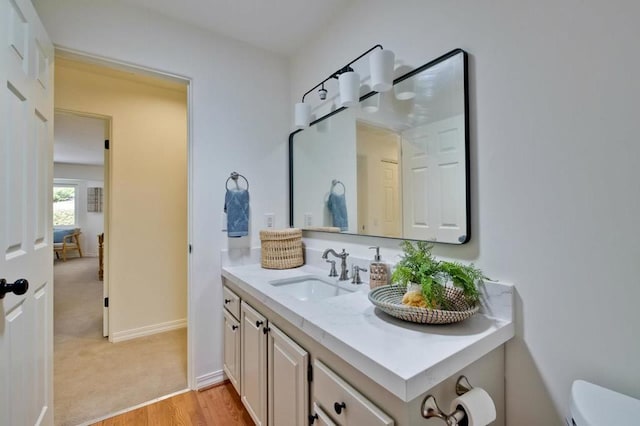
(226, 301)
(259, 323)
(339, 407)
(234, 327)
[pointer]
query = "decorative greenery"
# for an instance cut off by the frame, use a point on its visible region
(418, 265)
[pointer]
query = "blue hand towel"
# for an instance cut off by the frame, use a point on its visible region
(337, 205)
(236, 206)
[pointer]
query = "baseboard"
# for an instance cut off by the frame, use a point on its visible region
(148, 330)
(210, 379)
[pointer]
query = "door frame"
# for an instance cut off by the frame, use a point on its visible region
(69, 53)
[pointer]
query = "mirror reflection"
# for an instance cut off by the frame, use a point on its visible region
(396, 166)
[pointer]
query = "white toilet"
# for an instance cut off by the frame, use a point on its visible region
(593, 405)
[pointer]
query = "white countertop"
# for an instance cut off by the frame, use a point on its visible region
(405, 358)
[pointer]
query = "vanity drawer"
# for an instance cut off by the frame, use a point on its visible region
(320, 418)
(231, 302)
(344, 403)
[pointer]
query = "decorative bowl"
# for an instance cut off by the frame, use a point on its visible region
(389, 299)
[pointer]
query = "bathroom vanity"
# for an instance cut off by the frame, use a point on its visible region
(300, 358)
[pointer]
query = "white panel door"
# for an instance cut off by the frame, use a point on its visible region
(253, 364)
(26, 135)
(433, 172)
(288, 386)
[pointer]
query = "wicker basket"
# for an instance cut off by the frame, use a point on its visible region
(281, 249)
(389, 299)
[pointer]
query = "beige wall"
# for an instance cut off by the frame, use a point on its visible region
(147, 216)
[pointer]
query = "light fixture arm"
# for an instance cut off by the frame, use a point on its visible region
(346, 68)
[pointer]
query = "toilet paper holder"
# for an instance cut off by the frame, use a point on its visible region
(430, 407)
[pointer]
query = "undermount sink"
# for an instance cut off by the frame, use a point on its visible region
(310, 287)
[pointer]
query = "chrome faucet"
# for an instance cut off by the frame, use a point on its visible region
(344, 273)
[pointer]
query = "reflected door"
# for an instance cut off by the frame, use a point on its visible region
(390, 203)
(433, 178)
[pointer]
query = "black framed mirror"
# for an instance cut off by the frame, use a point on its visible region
(396, 166)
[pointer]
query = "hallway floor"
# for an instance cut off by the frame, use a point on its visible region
(217, 406)
(93, 377)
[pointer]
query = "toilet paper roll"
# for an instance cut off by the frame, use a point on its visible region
(477, 405)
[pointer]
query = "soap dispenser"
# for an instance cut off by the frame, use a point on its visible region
(378, 271)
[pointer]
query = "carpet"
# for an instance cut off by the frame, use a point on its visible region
(93, 377)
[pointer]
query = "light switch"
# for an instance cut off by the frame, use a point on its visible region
(269, 220)
(308, 220)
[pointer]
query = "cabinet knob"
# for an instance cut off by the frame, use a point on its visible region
(313, 418)
(339, 407)
(259, 323)
(226, 301)
(234, 327)
(266, 330)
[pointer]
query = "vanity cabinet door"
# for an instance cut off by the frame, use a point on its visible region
(346, 405)
(232, 350)
(253, 363)
(288, 386)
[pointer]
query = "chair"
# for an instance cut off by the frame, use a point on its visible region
(70, 242)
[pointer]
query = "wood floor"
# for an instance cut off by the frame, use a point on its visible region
(219, 405)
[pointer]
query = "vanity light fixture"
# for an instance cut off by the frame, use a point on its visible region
(381, 68)
(322, 93)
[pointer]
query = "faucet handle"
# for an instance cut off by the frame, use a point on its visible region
(332, 272)
(356, 274)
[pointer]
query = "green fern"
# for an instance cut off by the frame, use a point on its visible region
(417, 265)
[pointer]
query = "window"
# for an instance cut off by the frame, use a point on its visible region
(64, 205)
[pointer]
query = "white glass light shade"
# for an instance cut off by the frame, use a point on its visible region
(381, 63)
(405, 89)
(302, 115)
(349, 83)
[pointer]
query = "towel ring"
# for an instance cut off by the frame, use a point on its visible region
(336, 182)
(235, 176)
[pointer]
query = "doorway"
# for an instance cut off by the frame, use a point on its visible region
(146, 235)
(81, 170)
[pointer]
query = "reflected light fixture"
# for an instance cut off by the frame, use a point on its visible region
(405, 89)
(371, 103)
(381, 63)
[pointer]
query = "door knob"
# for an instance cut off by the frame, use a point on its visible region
(19, 287)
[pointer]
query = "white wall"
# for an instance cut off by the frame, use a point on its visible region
(554, 153)
(90, 223)
(239, 115)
